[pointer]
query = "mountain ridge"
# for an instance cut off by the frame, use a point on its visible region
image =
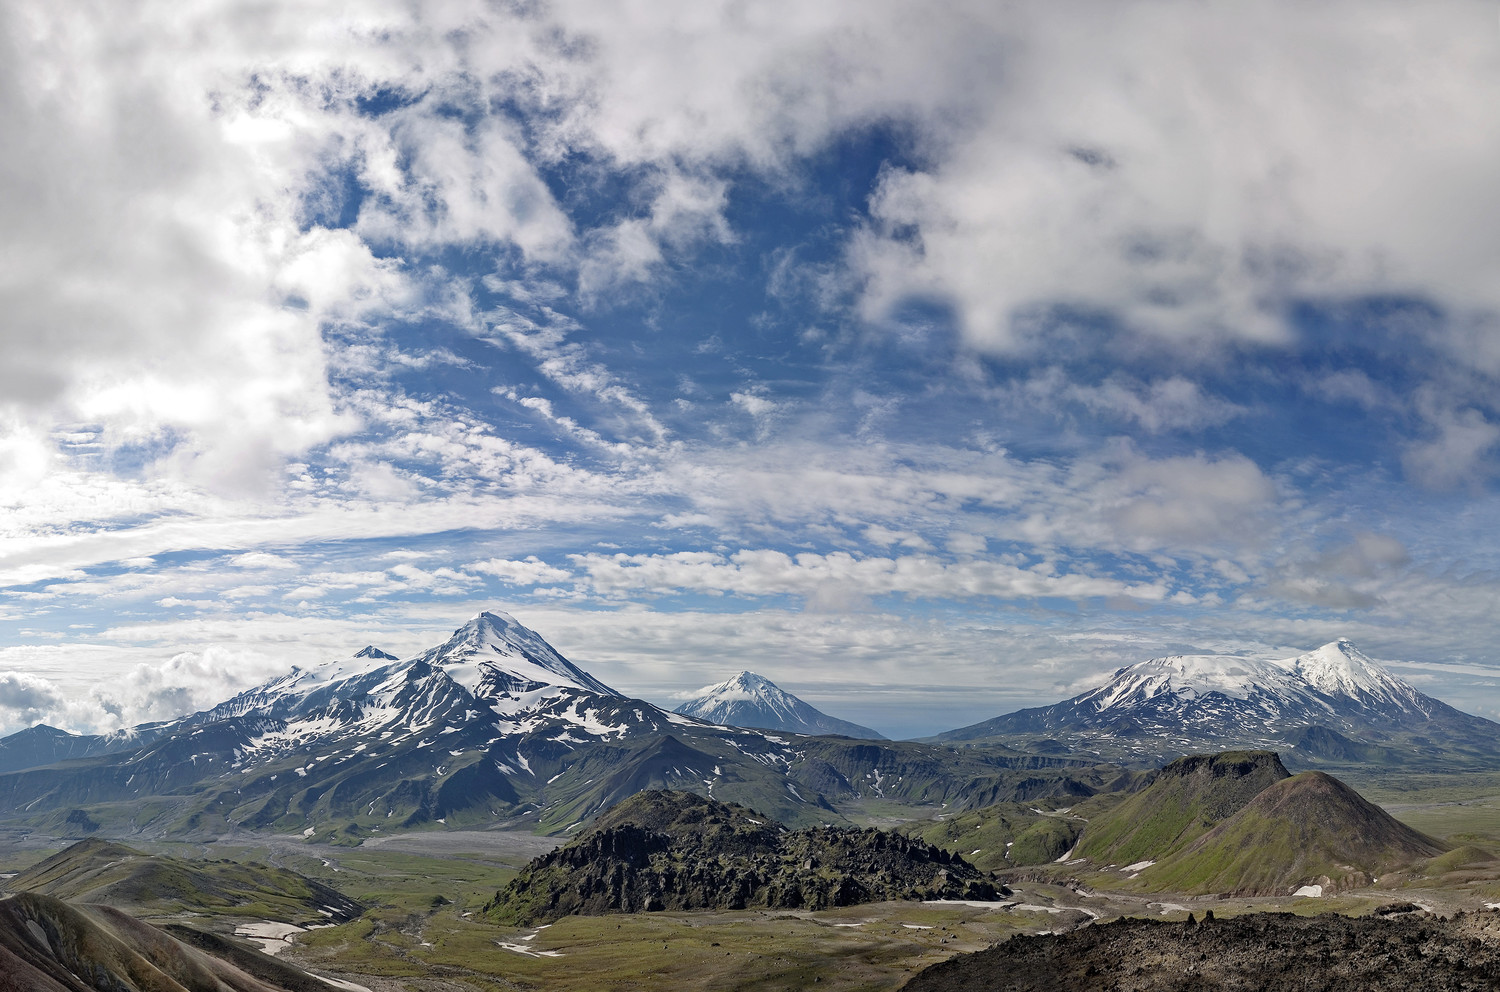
(1332, 704)
(491, 727)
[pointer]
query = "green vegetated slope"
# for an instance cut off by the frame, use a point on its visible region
(47, 944)
(680, 851)
(1188, 797)
(1310, 829)
(97, 871)
(1004, 835)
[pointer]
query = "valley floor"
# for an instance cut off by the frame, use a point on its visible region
(424, 891)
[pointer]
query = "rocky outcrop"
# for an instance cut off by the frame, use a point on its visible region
(680, 851)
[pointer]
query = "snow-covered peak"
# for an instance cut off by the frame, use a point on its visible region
(1337, 670)
(1189, 675)
(1341, 669)
(751, 700)
(494, 646)
(371, 651)
(745, 685)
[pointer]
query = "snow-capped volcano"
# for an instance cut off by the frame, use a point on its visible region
(492, 651)
(1209, 701)
(491, 727)
(750, 700)
(1321, 683)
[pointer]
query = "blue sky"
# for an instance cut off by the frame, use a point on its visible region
(930, 360)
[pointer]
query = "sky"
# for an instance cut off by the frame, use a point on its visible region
(932, 360)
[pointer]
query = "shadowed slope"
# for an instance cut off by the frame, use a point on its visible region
(47, 945)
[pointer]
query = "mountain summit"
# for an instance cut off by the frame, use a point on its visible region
(1331, 702)
(750, 700)
(496, 652)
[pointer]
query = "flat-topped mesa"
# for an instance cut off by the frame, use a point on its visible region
(1227, 764)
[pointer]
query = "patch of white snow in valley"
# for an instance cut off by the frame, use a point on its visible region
(1314, 891)
(339, 983)
(273, 938)
(1138, 866)
(915, 926)
(525, 948)
(977, 903)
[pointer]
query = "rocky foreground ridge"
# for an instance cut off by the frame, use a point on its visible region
(664, 850)
(1261, 952)
(47, 945)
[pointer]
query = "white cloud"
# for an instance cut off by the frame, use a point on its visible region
(261, 559)
(530, 572)
(754, 404)
(1458, 454)
(1188, 168)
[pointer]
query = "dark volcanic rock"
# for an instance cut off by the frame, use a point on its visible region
(1267, 952)
(681, 851)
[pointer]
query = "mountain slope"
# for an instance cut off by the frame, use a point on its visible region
(1333, 704)
(750, 700)
(680, 851)
(47, 945)
(1006, 835)
(1310, 829)
(96, 871)
(1187, 798)
(43, 745)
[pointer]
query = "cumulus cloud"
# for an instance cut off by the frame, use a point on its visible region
(530, 572)
(27, 699)
(1185, 170)
(1458, 454)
